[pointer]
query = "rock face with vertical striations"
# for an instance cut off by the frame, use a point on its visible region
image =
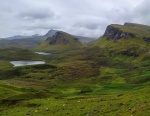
(115, 33)
(128, 30)
(129, 39)
(62, 38)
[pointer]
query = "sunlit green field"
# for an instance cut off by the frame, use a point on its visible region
(106, 80)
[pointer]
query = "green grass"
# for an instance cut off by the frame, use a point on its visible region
(73, 99)
(18, 54)
(107, 79)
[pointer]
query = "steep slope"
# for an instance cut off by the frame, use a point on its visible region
(132, 30)
(61, 41)
(129, 39)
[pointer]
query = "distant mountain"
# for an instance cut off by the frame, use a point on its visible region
(28, 42)
(25, 43)
(85, 39)
(60, 41)
(20, 37)
(50, 33)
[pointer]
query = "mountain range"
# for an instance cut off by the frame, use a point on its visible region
(28, 42)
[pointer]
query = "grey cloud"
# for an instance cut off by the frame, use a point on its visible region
(79, 17)
(142, 12)
(42, 26)
(88, 25)
(37, 13)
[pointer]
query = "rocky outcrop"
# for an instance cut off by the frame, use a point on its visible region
(129, 24)
(61, 38)
(147, 39)
(116, 34)
(55, 38)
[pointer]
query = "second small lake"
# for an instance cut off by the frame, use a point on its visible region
(23, 63)
(43, 53)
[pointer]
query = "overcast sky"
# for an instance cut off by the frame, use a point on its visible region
(78, 17)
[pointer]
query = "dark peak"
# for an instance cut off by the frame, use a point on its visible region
(61, 37)
(61, 33)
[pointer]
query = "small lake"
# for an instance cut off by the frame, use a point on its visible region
(43, 53)
(28, 62)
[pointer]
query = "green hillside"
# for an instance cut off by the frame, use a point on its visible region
(109, 77)
(61, 41)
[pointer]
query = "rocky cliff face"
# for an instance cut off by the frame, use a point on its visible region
(61, 38)
(115, 33)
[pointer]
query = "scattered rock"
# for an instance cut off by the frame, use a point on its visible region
(47, 109)
(130, 109)
(120, 104)
(27, 114)
(36, 110)
(147, 39)
(120, 95)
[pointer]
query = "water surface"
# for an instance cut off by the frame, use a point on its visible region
(28, 62)
(43, 53)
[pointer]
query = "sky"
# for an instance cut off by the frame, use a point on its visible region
(78, 17)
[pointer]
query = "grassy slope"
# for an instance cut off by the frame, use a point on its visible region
(90, 81)
(18, 54)
(84, 84)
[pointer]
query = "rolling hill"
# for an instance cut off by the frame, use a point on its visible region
(28, 42)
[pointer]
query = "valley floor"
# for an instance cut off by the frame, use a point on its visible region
(19, 99)
(87, 82)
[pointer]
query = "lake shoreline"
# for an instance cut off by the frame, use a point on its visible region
(25, 62)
